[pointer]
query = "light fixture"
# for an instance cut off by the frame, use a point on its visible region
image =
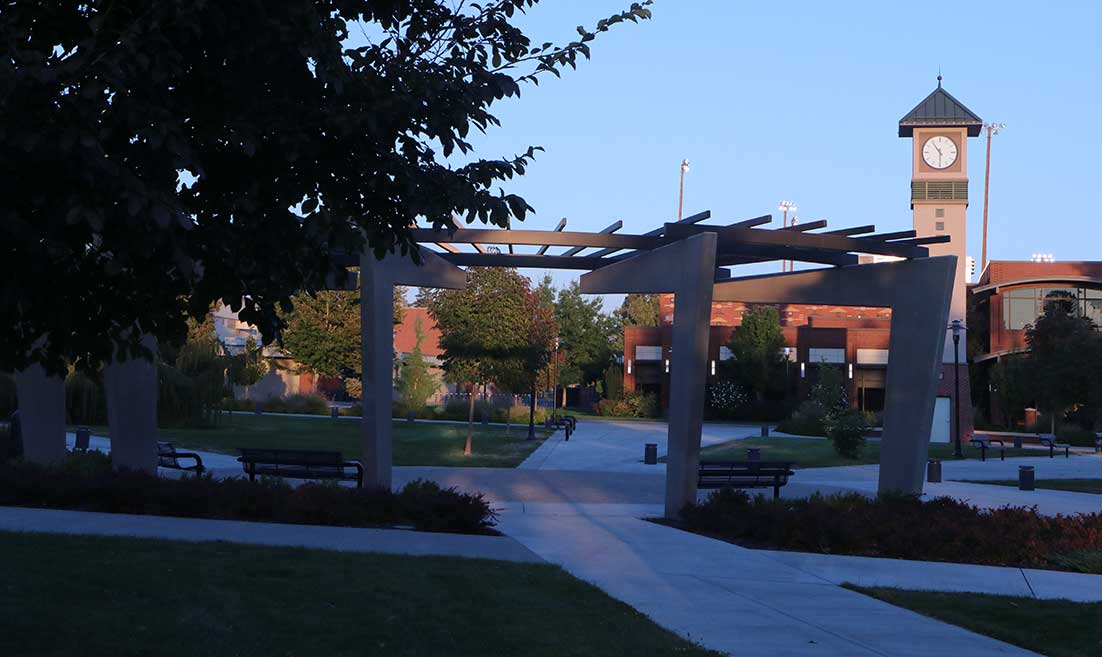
(1042, 257)
(850, 368)
(803, 370)
(667, 366)
(629, 366)
(995, 128)
(684, 166)
(713, 368)
(787, 206)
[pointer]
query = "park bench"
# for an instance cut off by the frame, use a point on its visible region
(300, 464)
(168, 457)
(1052, 445)
(744, 474)
(984, 443)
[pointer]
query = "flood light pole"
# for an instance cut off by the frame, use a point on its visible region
(784, 207)
(681, 191)
(992, 129)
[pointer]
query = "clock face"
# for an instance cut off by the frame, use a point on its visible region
(939, 152)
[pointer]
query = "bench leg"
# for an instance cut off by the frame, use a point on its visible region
(1067, 452)
(776, 491)
(983, 453)
(1002, 454)
(1051, 451)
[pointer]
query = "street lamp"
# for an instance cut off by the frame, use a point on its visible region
(957, 328)
(786, 207)
(681, 192)
(992, 129)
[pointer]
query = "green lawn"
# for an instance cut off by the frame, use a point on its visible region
(417, 443)
(819, 453)
(1056, 628)
(1073, 485)
(65, 595)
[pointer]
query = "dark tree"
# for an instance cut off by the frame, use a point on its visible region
(158, 156)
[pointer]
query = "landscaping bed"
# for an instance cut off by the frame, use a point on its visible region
(1057, 628)
(1072, 485)
(414, 443)
(86, 482)
(901, 527)
(65, 595)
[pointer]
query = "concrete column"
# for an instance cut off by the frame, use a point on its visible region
(377, 281)
(41, 414)
(692, 315)
(377, 352)
(687, 269)
(131, 391)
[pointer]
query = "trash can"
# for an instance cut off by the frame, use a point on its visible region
(1026, 477)
(410, 415)
(753, 454)
(765, 431)
(334, 412)
(650, 453)
(1017, 442)
(933, 471)
(82, 439)
(258, 408)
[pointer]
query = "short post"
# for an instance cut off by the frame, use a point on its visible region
(933, 471)
(258, 408)
(1017, 442)
(753, 454)
(765, 431)
(410, 415)
(1026, 476)
(1098, 444)
(334, 412)
(650, 454)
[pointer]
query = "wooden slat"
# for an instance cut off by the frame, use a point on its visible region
(811, 225)
(558, 229)
(856, 230)
(611, 228)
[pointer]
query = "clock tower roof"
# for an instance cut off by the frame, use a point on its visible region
(942, 110)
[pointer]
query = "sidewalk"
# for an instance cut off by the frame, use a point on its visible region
(343, 539)
(728, 598)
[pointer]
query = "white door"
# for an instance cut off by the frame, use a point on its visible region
(939, 432)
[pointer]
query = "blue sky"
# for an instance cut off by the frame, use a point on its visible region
(800, 101)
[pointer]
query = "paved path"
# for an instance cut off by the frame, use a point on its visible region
(728, 598)
(344, 539)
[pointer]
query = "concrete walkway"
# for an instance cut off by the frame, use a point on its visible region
(343, 539)
(739, 601)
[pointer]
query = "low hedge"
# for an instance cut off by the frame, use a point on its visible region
(904, 527)
(86, 482)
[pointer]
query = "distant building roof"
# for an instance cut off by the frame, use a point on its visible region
(940, 109)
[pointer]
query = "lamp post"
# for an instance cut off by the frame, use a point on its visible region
(992, 129)
(681, 191)
(785, 207)
(957, 327)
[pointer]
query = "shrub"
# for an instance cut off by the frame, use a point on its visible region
(86, 482)
(301, 404)
(727, 399)
(807, 420)
(634, 404)
(1075, 435)
(614, 382)
(904, 527)
(85, 402)
(846, 431)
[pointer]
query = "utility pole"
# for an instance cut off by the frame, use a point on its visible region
(992, 129)
(681, 192)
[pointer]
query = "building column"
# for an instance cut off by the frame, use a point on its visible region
(131, 390)
(41, 404)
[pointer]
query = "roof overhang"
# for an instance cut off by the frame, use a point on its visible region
(995, 288)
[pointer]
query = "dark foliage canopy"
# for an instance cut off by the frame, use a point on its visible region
(158, 156)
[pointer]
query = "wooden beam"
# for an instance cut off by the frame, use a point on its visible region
(691, 219)
(526, 260)
(887, 237)
(811, 225)
(558, 229)
(751, 223)
(447, 247)
(540, 237)
(611, 228)
(856, 230)
(730, 238)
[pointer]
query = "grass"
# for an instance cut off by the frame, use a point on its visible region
(122, 596)
(1073, 485)
(819, 453)
(1057, 628)
(417, 443)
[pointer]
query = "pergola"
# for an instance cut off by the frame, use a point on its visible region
(689, 259)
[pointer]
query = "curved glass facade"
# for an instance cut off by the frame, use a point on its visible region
(1023, 306)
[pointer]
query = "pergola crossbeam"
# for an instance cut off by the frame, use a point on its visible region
(611, 228)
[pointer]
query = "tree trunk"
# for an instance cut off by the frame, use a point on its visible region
(532, 414)
(470, 424)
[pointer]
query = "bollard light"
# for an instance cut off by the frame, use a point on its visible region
(803, 370)
(629, 366)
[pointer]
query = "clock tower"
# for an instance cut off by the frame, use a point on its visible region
(939, 128)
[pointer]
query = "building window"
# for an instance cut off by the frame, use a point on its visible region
(1023, 306)
(939, 225)
(939, 212)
